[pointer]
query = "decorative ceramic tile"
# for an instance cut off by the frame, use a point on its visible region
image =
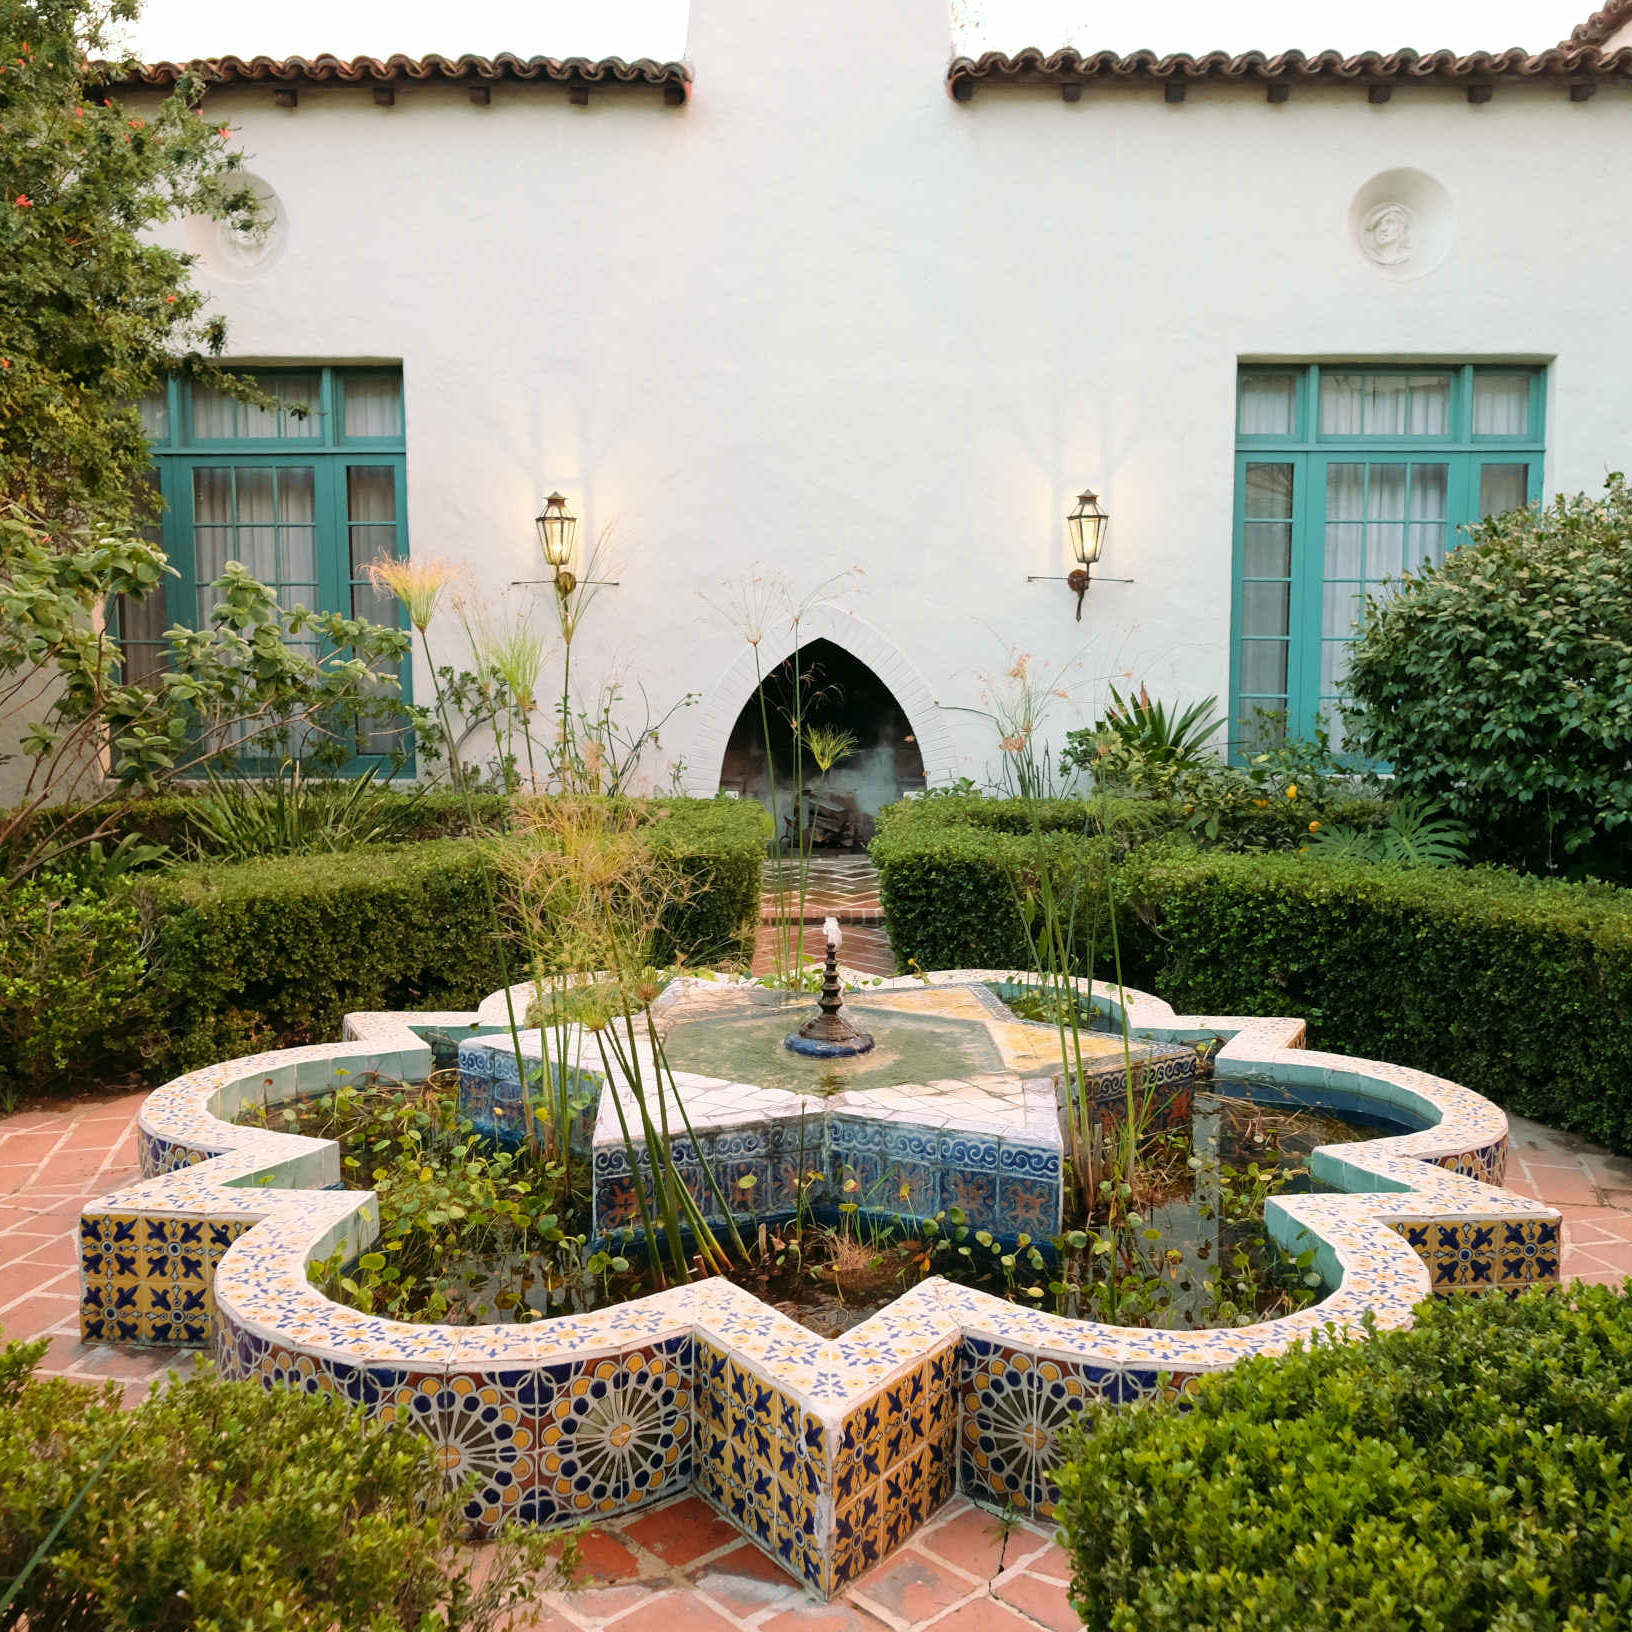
(827, 1454)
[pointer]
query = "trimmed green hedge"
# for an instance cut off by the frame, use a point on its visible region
(270, 952)
(163, 818)
(1466, 1476)
(1518, 987)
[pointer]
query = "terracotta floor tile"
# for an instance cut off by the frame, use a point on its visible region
(1044, 1601)
(1054, 1562)
(605, 1558)
(986, 1615)
(675, 1612)
(681, 1533)
(34, 1317)
(813, 1617)
(745, 1581)
(972, 1539)
(601, 1604)
(912, 1586)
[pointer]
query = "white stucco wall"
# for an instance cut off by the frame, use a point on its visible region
(825, 317)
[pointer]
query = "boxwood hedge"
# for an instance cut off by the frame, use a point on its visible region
(264, 953)
(1465, 1476)
(1517, 986)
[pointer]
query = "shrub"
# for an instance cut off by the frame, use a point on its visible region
(1465, 1476)
(223, 1505)
(71, 975)
(1500, 684)
(1519, 987)
(274, 951)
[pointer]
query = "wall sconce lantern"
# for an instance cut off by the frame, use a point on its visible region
(557, 529)
(1085, 527)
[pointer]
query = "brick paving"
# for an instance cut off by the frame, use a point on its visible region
(679, 1567)
(843, 887)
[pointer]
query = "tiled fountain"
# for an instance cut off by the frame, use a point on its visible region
(827, 1453)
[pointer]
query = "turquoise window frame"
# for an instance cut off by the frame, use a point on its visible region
(1310, 453)
(180, 452)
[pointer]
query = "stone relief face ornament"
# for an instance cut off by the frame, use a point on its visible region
(1386, 234)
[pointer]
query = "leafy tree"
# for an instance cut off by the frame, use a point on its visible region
(1500, 684)
(93, 312)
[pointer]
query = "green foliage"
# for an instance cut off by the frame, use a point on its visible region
(72, 997)
(248, 684)
(94, 311)
(168, 819)
(1519, 987)
(1416, 834)
(224, 1506)
(467, 1229)
(1466, 1476)
(1134, 731)
(1500, 684)
(292, 814)
(276, 951)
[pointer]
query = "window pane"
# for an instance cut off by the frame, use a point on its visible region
(1263, 609)
(215, 414)
(373, 405)
(293, 413)
(1345, 492)
(1263, 668)
(1269, 491)
(1340, 396)
(1340, 608)
(1334, 667)
(1269, 404)
(1268, 552)
(155, 411)
(1345, 549)
(1385, 493)
(1503, 487)
(1387, 405)
(1430, 405)
(1501, 404)
(371, 493)
(1396, 405)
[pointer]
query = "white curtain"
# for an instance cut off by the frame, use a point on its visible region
(1501, 404)
(1503, 487)
(215, 415)
(373, 405)
(1268, 404)
(1385, 404)
(371, 508)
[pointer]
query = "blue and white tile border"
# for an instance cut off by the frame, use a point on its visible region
(828, 1453)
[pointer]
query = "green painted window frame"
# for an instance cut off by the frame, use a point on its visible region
(177, 452)
(1310, 453)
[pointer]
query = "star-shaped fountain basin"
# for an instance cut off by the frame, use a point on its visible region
(955, 1109)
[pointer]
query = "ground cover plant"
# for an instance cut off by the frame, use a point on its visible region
(471, 1232)
(1468, 1475)
(219, 1506)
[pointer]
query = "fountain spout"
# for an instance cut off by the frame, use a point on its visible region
(827, 1034)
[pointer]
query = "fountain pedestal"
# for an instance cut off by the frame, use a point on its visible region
(827, 1035)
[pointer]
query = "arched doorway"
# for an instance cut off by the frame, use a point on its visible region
(829, 689)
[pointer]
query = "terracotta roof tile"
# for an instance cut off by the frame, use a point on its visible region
(673, 77)
(1601, 24)
(1573, 61)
